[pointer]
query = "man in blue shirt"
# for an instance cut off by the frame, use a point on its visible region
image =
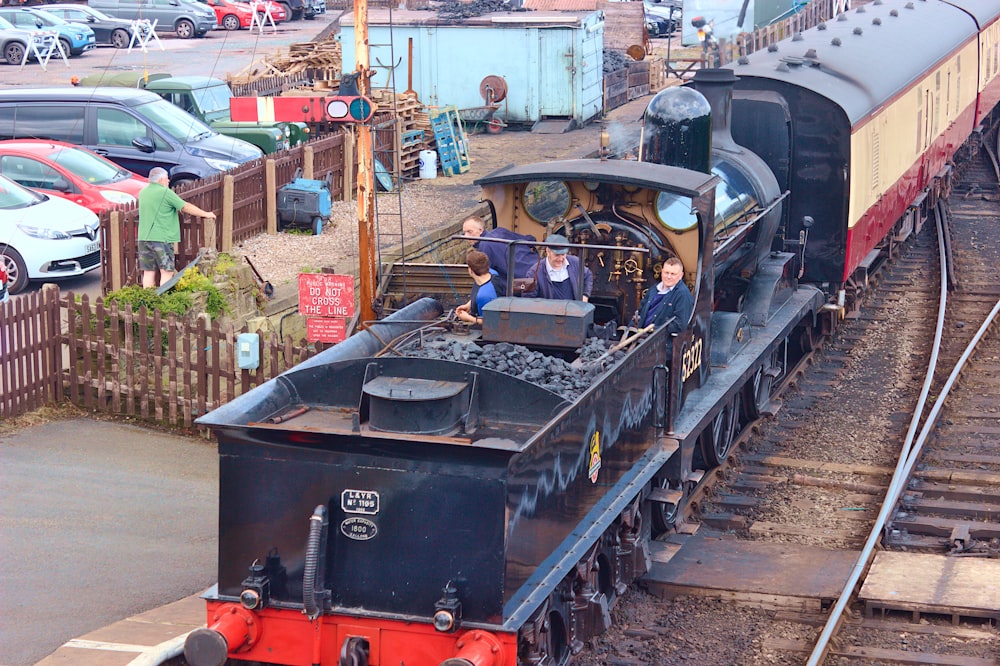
(670, 300)
(484, 288)
(525, 258)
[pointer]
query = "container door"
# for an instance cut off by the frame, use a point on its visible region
(556, 90)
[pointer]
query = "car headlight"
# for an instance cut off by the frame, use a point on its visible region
(43, 232)
(221, 165)
(117, 197)
(79, 36)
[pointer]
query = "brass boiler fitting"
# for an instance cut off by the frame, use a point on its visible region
(619, 256)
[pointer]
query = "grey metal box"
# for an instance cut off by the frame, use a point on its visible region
(537, 321)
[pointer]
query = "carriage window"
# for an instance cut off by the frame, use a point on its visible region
(675, 212)
(546, 200)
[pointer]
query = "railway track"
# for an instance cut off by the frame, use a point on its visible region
(753, 576)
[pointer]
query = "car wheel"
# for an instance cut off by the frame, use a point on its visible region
(120, 39)
(17, 271)
(289, 14)
(181, 183)
(14, 53)
(184, 29)
(66, 47)
(230, 22)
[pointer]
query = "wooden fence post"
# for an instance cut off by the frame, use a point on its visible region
(227, 215)
(307, 162)
(116, 253)
(271, 197)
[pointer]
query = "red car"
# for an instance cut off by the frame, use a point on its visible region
(235, 15)
(70, 172)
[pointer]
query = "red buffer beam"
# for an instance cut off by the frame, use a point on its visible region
(344, 109)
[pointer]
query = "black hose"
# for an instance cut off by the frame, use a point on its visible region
(315, 548)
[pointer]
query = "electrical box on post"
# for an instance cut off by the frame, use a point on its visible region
(248, 351)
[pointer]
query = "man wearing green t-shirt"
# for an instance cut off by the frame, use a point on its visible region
(160, 228)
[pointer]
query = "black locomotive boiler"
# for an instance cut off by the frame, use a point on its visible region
(425, 495)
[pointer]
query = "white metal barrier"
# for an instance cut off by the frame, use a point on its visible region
(261, 16)
(42, 49)
(143, 31)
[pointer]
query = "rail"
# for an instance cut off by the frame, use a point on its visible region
(911, 449)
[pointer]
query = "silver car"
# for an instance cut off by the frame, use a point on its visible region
(15, 42)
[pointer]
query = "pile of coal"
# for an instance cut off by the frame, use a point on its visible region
(549, 372)
(454, 9)
(615, 60)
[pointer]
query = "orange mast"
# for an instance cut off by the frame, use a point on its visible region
(367, 263)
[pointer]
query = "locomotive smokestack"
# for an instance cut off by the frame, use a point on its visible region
(677, 130)
(717, 87)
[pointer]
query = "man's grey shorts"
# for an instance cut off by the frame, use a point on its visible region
(156, 254)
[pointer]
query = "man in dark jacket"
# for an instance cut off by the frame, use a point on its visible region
(525, 258)
(559, 274)
(670, 300)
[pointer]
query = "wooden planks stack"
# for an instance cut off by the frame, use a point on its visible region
(413, 127)
(322, 60)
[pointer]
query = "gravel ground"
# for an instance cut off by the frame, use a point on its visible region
(427, 205)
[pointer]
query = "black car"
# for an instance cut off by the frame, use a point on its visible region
(662, 17)
(108, 30)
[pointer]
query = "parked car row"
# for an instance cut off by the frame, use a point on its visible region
(79, 150)
(74, 37)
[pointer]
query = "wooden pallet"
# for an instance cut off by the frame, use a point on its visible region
(928, 584)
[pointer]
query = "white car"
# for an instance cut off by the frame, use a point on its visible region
(43, 237)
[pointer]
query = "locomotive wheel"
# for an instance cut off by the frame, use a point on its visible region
(718, 440)
(664, 514)
(555, 640)
(757, 393)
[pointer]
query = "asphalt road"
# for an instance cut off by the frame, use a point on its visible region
(99, 521)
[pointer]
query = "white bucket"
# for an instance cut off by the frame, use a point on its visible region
(428, 164)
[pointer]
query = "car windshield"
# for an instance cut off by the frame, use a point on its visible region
(47, 18)
(13, 196)
(88, 166)
(213, 101)
(98, 14)
(179, 124)
(5, 24)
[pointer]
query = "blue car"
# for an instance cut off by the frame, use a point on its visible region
(74, 37)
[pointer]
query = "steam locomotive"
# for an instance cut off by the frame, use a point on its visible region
(379, 506)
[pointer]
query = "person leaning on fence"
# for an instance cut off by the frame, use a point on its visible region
(484, 287)
(559, 276)
(160, 228)
(525, 258)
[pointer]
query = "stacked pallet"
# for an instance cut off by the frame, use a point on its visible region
(657, 74)
(413, 127)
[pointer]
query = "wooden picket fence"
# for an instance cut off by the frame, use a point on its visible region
(103, 358)
(30, 353)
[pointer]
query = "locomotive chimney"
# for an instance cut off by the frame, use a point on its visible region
(677, 130)
(717, 87)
